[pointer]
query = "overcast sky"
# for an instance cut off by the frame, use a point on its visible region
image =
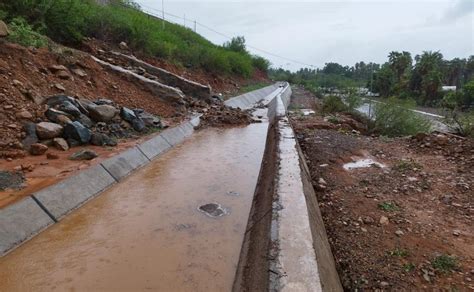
(344, 31)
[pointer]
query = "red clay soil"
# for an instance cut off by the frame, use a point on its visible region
(404, 227)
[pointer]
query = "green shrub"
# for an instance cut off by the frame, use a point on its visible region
(394, 118)
(354, 101)
(444, 263)
(464, 122)
(261, 63)
(23, 34)
(332, 104)
(388, 206)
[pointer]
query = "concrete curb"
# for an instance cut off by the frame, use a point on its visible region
(25, 219)
(21, 221)
(248, 100)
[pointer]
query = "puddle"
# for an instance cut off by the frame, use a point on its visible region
(213, 210)
(362, 163)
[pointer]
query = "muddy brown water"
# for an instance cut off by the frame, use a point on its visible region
(147, 233)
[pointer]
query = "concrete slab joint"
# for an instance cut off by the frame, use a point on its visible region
(123, 164)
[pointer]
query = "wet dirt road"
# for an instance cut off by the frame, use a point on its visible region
(147, 233)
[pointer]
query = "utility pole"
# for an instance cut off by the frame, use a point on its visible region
(163, 12)
(371, 82)
(195, 26)
(185, 20)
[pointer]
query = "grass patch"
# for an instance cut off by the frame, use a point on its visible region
(409, 267)
(394, 118)
(69, 21)
(445, 263)
(398, 252)
(22, 33)
(388, 206)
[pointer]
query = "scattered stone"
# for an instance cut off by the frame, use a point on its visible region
(70, 108)
(456, 232)
(76, 131)
(60, 144)
(384, 284)
(31, 137)
(24, 114)
(150, 120)
(138, 125)
(441, 140)
(52, 156)
(383, 220)
(57, 68)
(399, 233)
(321, 181)
(103, 101)
(102, 113)
(46, 130)
(38, 149)
(3, 29)
(123, 46)
(85, 154)
(17, 83)
(59, 86)
(127, 114)
(8, 107)
(57, 116)
(368, 220)
(79, 72)
(64, 75)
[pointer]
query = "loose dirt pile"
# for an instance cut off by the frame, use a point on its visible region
(404, 226)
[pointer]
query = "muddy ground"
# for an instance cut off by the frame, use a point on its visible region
(404, 226)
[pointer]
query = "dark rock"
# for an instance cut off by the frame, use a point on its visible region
(57, 116)
(100, 139)
(138, 125)
(85, 154)
(86, 121)
(73, 143)
(31, 137)
(103, 101)
(82, 105)
(127, 114)
(55, 100)
(78, 132)
(212, 210)
(70, 108)
(102, 113)
(46, 130)
(61, 144)
(38, 149)
(150, 120)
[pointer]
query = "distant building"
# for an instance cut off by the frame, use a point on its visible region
(448, 88)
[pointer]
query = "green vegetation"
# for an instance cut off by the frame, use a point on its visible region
(388, 206)
(394, 117)
(444, 263)
(23, 34)
(252, 87)
(409, 267)
(399, 252)
(69, 21)
(333, 104)
(405, 165)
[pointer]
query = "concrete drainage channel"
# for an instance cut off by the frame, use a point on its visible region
(284, 225)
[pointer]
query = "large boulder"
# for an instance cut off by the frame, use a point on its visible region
(46, 130)
(76, 131)
(130, 116)
(57, 116)
(3, 29)
(86, 121)
(100, 139)
(70, 108)
(102, 113)
(38, 149)
(60, 144)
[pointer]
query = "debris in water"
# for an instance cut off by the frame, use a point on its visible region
(362, 163)
(233, 193)
(213, 210)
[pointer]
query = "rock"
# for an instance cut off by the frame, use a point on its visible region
(100, 139)
(421, 137)
(59, 86)
(456, 232)
(368, 220)
(123, 46)
(86, 121)
(24, 114)
(57, 116)
(70, 108)
(399, 233)
(441, 140)
(102, 113)
(60, 144)
(150, 120)
(85, 154)
(17, 83)
(102, 101)
(383, 220)
(321, 181)
(3, 29)
(57, 68)
(38, 149)
(64, 75)
(138, 125)
(31, 137)
(79, 72)
(384, 284)
(77, 132)
(52, 156)
(8, 107)
(46, 130)
(127, 114)
(55, 100)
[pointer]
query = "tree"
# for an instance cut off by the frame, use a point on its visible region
(237, 44)
(384, 80)
(426, 78)
(400, 63)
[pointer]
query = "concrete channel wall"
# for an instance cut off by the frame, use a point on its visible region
(23, 220)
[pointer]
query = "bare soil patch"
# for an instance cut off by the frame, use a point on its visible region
(406, 226)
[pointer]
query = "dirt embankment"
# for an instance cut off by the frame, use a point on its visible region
(30, 77)
(403, 225)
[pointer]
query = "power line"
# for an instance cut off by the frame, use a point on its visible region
(227, 36)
